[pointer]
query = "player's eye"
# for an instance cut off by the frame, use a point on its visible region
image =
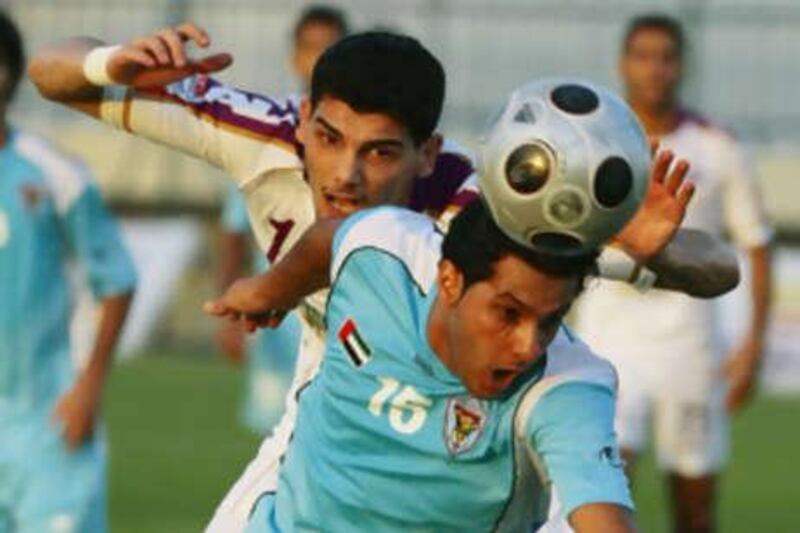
(383, 154)
(510, 315)
(327, 138)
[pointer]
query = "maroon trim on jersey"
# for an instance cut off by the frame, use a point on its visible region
(463, 198)
(687, 115)
(222, 113)
(437, 191)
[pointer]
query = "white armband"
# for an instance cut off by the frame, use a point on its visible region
(615, 264)
(95, 65)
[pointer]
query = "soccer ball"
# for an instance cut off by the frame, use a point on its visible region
(564, 167)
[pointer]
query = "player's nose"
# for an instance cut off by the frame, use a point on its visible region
(347, 172)
(527, 346)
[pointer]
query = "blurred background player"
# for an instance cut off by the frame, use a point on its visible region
(674, 376)
(52, 452)
(270, 354)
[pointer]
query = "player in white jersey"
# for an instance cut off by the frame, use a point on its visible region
(359, 148)
(269, 357)
(674, 377)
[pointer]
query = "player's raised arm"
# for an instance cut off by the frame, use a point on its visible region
(303, 271)
(685, 260)
(75, 70)
(153, 87)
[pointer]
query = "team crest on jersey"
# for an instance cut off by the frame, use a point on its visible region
(32, 195)
(463, 425)
(354, 344)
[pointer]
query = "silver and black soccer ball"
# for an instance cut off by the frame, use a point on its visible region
(565, 166)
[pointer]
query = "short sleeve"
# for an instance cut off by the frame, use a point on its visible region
(572, 430)
(409, 237)
(96, 241)
(744, 212)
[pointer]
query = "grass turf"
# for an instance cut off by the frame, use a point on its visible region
(177, 445)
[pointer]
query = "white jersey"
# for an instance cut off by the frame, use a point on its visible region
(252, 138)
(621, 323)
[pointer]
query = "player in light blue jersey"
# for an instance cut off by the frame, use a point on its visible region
(52, 453)
(450, 397)
(270, 356)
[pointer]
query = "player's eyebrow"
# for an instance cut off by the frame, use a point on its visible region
(328, 126)
(381, 143)
(560, 312)
(514, 300)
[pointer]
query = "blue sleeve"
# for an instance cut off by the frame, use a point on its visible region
(234, 212)
(96, 241)
(572, 429)
(346, 226)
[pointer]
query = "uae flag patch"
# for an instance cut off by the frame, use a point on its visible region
(355, 346)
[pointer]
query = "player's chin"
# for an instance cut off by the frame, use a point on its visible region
(330, 207)
(495, 384)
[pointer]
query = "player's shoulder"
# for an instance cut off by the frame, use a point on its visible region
(702, 129)
(453, 172)
(64, 176)
(569, 361)
(403, 235)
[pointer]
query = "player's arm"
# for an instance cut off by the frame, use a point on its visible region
(689, 261)
(697, 264)
(233, 256)
(751, 230)
(304, 270)
(602, 518)
(79, 408)
(743, 364)
(60, 71)
(95, 239)
(572, 431)
(148, 90)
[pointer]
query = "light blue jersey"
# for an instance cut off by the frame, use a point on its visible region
(388, 439)
(50, 214)
(271, 353)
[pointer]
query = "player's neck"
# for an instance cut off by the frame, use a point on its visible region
(657, 120)
(437, 333)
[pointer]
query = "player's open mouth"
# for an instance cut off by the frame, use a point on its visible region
(342, 205)
(502, 377)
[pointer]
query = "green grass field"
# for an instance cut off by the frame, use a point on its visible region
(176, 445)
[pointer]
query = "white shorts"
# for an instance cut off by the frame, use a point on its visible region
(261, 475)
(685, 410)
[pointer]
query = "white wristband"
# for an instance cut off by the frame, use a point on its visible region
(615, 264)
(95, 65)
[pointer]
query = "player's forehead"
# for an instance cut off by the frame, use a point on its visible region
(318, 33)
(515, 282)
(340, 118)
(651, 39)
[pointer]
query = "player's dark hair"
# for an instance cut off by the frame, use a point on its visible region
(382, 72)
(324, 15)
(474, 243)
(12, 57)
(666, 24)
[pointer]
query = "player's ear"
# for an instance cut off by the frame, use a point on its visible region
(451, 282)
(428, 153)
(306, 110)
